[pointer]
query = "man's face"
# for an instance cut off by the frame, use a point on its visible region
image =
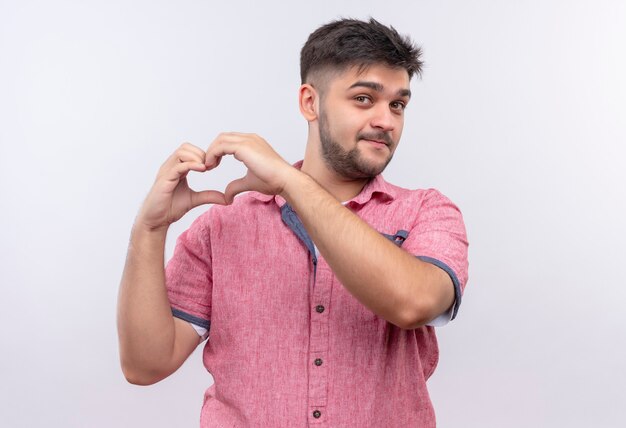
(361, 119)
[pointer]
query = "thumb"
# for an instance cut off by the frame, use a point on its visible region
(235, 187)
(207, 197)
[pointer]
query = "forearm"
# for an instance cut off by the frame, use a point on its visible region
(145, 322)
(386, 279)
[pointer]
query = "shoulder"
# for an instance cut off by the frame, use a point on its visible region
(424, 207)
(417, 198)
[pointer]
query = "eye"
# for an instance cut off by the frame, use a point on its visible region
(363, 99)
(398, 105)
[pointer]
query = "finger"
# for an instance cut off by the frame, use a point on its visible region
(207, 197)
(215, 162)
(224, 144)
(218, 150)
(191, 148)
(180, 156)
(182, 168)
(235, 187)
(188, 156)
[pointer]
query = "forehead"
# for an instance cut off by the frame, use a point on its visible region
(390, 79)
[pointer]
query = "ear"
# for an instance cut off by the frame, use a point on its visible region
(309, 102)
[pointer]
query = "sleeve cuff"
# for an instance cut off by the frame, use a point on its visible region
(455, 282)
(200, 322)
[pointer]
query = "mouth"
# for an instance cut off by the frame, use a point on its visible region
(376, 139)
(376, 143)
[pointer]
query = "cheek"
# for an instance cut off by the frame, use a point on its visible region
(397, 132)
(398, 135)
(345, 126)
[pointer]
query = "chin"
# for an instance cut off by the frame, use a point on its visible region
(371, 169)
(373, 166)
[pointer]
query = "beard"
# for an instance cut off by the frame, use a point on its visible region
(349, 163)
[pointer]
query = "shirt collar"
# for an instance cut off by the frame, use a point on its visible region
(376, 186)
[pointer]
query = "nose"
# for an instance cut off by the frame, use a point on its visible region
(383, 118)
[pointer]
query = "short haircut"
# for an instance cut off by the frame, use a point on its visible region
(347, 43)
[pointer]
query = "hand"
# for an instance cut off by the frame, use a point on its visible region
(267, 172)
(170, 197)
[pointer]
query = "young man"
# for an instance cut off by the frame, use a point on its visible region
(318, 288)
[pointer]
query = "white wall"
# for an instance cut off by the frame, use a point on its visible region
(519, 118)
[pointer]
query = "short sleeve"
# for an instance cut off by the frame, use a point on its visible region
(439, 237)
(188, 276)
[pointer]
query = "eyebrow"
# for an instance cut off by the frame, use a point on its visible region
(379, 87)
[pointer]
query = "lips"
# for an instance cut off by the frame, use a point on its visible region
(376, 142)
(376, 138)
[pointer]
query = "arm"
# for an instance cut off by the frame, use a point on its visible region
(153, 343)
(391, 282)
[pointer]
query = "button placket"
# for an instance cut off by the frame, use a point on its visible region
(318, 342)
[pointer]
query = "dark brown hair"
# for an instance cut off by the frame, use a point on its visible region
(349, 42)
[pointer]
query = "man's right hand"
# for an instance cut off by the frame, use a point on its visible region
(170, 197)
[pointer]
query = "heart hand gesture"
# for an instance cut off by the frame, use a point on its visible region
(170, 197)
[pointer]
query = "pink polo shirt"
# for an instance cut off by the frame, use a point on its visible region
(288, 345)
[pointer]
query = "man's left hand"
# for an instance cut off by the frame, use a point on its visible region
(268, 172)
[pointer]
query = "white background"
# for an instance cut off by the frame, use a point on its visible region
(519, 119)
